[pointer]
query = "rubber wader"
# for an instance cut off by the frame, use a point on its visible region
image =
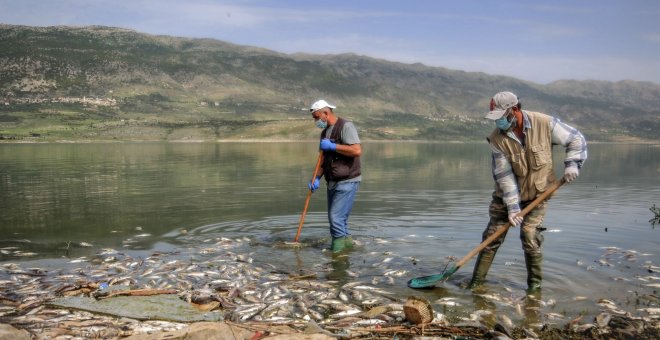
(534, 272)
(342, 243)
(484, 260)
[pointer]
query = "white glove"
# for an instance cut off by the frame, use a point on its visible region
(571, 173)
(514, 219)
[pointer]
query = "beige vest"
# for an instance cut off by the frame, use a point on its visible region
(531, 164)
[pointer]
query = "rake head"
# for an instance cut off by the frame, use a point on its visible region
(430, 280)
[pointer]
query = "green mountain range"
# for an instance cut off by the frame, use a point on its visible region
(103, 83)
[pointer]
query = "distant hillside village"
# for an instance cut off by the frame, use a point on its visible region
(67, 100)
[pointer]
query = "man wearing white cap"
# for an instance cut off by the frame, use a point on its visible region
(522, 169)
(341, 167)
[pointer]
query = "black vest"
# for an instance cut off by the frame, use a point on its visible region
(337, 167)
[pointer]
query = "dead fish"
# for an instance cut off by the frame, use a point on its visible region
(648, 278)
(491, 297)
(603, 319)
(372, 289)
(518, 308)
(20, 253)
(316, 315)
(397, 273)
(278, 320)
(369, 322)
(652, 311)
(342, 296)
(352, 284)
(479, 314)
(505, 320)
(351, 273)
(246, 312)
(447, 301)
(349, 312)
(357, 295)
(583, 328)
(607, 303)
(554, 316)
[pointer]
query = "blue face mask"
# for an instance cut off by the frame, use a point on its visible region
(503, 123)
(321, 124)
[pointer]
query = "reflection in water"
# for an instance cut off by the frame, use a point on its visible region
(340, 264)
(482, 303)
(490, 306)
(533, 309)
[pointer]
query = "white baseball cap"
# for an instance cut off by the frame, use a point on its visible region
(319, 104)
(500, 103)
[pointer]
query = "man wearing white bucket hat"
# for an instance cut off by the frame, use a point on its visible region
(522, 169)
(341, 167)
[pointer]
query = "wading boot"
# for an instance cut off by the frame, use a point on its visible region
(481, 267)
(534, 272)
(348, 242)
(342, 243)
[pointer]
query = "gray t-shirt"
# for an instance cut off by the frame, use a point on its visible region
(349, 135)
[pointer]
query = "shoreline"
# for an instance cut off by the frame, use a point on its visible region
(256, 140)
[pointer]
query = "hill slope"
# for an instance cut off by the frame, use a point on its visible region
(102, 83)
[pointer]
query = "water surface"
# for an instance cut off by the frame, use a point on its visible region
(420, 206)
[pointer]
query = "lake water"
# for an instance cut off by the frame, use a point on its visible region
(420, 205)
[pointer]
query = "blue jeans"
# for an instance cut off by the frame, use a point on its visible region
(340, 204)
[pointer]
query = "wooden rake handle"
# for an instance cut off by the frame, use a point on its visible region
(309, 196)
(553, 187)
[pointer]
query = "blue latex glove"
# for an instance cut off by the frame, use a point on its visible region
(327, 145)
(313, 185)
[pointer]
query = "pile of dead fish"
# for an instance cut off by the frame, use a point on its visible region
(239, 290)
(224, 281)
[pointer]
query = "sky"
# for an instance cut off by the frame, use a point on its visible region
(539, 41)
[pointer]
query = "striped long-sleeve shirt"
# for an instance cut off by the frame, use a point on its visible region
(562, 134)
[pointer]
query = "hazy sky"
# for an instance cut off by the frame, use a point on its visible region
(540, 41)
